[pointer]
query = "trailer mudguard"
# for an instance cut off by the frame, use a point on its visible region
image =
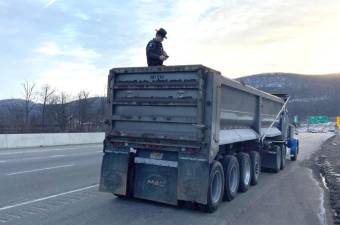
(155, 176)
(193, 178)
(114, 172)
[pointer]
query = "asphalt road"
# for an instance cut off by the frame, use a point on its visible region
(58, 186)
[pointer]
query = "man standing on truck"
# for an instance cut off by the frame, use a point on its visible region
(155, 53)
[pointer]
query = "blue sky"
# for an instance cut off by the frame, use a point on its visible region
(71, 44)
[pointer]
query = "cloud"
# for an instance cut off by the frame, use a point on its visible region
(74, 77)
(246, 36)
(237, 37)
(82, 16)
(50, 2)
(52, 49)
(49, 49)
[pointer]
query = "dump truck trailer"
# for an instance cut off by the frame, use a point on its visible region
(188, 134)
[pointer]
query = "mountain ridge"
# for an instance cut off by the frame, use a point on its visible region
(310, 94)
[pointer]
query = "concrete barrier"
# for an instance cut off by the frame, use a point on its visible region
(3, 141)
(50, 139)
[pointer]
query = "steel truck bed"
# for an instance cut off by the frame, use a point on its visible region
(166, 125)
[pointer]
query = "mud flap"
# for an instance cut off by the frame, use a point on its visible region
(193, 178)
(269, 159)
(156, 179)
(156, 183)
(114, 173)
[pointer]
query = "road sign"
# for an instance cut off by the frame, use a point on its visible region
(338, 122)
(317, 119)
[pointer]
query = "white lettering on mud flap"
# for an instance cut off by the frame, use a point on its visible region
(156, 180)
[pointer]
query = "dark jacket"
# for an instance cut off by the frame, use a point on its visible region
(154, 50)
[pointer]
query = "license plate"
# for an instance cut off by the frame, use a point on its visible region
(156, 155)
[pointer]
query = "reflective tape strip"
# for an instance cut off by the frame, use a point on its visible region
(156, 162)
(193, 159)
(271, 152)
(119, 152)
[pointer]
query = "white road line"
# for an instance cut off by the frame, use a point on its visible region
(3, 161)
(47, 150)
(46, 198)
(56, 156)
(51, 157)
(35, 151)
(41, 169)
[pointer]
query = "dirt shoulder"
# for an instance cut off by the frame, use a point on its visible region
(326, 167)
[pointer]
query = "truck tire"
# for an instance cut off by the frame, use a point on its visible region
(277, 161)
(283, 156)
(119, 195)
(255, 167)
(216, 187)
(231, 176)
(293, 158)
(245, 171)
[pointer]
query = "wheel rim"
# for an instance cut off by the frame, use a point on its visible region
(233, 181)
(216, 187)
(247, 172)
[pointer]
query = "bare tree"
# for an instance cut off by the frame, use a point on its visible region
(62, 115)
(29, 96)
(103, 103)
(45, 95)
(83, 107)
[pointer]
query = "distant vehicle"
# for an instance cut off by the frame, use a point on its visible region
(187, 134)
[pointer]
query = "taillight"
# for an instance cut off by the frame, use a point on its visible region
(191, 150)
(153, 147)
